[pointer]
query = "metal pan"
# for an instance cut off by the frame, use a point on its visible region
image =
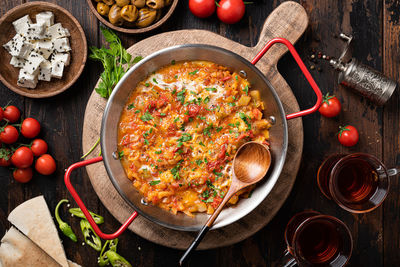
(116, 103)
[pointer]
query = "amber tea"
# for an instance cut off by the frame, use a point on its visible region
(357, 182)
(317, 240)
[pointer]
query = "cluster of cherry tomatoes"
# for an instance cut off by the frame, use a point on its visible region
(228, 11)
(348, 135)
(19, 155)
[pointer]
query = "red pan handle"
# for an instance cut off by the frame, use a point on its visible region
(78, 200)
(303, 69)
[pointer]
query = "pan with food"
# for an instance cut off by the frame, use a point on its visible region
(172, 125)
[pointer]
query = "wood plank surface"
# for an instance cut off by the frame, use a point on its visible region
(375, 25)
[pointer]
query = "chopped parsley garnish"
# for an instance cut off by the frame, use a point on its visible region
(146, 141)
(175, 170)
(218, 129)
(199, 162)
(206, 100)
(176, 76)
(180, 96)
(236, 77)
(232, 104)
(155, 81)
(173, 91)
(207, 130)
(211, 89)
(217, 173)
(246, 89)
(185, 137)
(146, 117)
(176, 119)
(120, 154)
(131, 106)
(193, 72)
(154, 182)
(137, 111)
(147, 84)
(173, 62)
(201, 143)
(201, 117)
(162, 114)
(245, 118)
(158, 152)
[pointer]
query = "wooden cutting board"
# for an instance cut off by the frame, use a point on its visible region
(289, 20)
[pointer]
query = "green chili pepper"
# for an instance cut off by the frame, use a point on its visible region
(91, 238)
(117, 260)
(78, 213)
(112, 245)
(64, 227)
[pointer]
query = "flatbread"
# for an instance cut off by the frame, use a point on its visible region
(18, 250)
(33, 218)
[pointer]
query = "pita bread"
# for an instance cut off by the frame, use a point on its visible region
(33, 218)
(18, 250)
(73, 264)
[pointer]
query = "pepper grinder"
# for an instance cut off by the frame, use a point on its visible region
(365, 80)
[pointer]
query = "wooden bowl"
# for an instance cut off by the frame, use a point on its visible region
(9, 74)
(92, 4)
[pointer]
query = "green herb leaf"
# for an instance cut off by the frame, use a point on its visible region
(154, 182)
(211, 89)
(193, 72)
(146, 117)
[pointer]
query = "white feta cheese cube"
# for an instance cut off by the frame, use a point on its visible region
(35, 31)
(57, 31)
(46, 17)
(22, 23)
(44, 48)
(61, 45)
(21, 49)
(17, 62)
(26, 80)
(33, 62)
(45, 71)
(57, 69)
(10, 45)
(62, 57)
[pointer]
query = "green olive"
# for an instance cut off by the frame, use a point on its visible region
(103, 9)
(109, 2)
(139, 3)
(114, 16)
(155, 4)
(129, 13)
(122, 3)
(146, 17)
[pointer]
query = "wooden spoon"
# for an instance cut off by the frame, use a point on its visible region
(250, 165)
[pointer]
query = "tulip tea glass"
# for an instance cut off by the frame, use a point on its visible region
(357, 182)
(314, 239)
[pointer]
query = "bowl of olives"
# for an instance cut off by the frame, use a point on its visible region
(132, 16)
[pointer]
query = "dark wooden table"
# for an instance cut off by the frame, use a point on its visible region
(376, 27)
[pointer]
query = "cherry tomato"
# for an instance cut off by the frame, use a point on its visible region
(202, 8)
(1, 113)
(330, 106)
(230, 11)
(5, 157)
(12, 114)
(22, 157)
(30, 128)
(45, 164)
(23, 175)
(39, 147)
(9, 135)
(348, 135)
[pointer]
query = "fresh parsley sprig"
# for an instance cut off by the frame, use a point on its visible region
(115, 59)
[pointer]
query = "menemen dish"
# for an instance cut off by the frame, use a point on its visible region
(180, 129)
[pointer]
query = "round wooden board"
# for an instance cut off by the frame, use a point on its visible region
(289, 20)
